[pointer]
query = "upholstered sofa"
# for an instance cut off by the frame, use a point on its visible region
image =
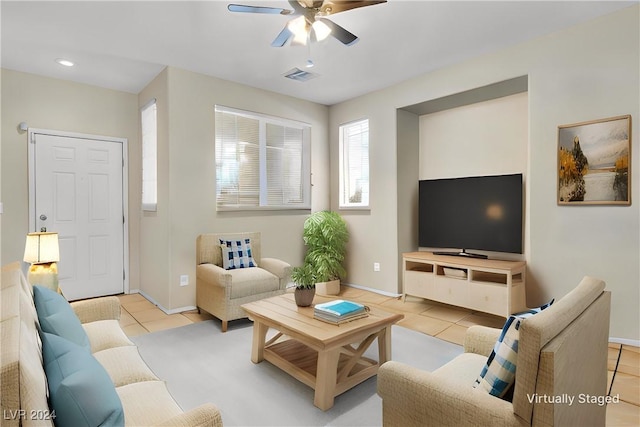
(109, 359)
(560, 375)
(220, 291)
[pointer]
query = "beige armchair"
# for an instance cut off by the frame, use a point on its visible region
(221, 292)
(562, 355)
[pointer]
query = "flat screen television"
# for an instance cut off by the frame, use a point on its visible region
(471, 213)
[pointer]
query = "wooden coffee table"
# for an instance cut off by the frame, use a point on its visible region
(328, 358)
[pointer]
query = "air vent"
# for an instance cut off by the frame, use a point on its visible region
(299, 75)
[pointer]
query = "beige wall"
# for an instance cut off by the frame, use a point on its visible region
(372, 233)
(1, 215)
(483, 138)
(408, 168)
(586, 72)
(46, 103)
(186, 205)
(155, 241)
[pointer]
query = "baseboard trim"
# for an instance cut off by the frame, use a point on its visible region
(165, 310)
(377, 291)
(624, 341)
(364, 288)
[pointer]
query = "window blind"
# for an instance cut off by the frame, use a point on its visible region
(262, 162)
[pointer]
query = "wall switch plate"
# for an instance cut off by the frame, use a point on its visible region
(184, 279)
(376, 266)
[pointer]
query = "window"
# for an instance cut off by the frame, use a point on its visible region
(149, 122)
(354, 165)
(262, 162)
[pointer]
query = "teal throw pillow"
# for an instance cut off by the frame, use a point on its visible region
(499, 373)
(80, 390)
(57, 317)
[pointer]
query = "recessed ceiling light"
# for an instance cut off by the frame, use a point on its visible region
(65, 62)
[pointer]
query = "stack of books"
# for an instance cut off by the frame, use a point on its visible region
(340, 311)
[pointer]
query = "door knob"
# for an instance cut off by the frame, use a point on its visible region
(43, 217)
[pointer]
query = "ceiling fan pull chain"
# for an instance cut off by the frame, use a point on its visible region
(309, 60)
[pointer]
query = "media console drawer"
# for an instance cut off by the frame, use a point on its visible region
(451, 290)
(489, 298)
(419, 283)
(491, 286)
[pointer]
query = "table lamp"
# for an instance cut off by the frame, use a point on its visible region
(42, 251)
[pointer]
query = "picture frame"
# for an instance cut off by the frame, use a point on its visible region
(594, 162)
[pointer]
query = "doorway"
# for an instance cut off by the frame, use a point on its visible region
(78, 188)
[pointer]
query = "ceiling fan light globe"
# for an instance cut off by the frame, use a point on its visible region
(321, 30)
(298, 25)
(298, 28)
(299, 40)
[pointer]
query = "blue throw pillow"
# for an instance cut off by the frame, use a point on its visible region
(499, 373)
(237, 254)
(57, 317)
(80, 390)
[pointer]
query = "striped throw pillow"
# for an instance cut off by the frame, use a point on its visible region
(499, 373)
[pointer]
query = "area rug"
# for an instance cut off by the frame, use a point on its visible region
(200, 364)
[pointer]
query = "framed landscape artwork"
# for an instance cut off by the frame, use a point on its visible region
(594, 166)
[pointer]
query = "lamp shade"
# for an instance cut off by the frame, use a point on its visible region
(42, 248)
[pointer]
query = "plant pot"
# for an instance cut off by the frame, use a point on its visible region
(328, 288)
(304, 297)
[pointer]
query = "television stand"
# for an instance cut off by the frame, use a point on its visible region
(463, 253)
(491, 286)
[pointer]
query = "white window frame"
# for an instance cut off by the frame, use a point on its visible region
(149, 125)
(225, 203)
(347, 165)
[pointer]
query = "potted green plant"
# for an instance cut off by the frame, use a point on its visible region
(305, 281)
(325, 234)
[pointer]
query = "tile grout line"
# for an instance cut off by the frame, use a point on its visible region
(615, 371)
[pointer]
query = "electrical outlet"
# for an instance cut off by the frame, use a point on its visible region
(376, 266)
(184, 279)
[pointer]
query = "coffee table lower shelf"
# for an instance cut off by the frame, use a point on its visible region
(328, 358)
(301, 362)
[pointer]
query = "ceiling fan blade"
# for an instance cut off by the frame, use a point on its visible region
(344, 36)
(331, 7)
(282, 38)
(258, 9)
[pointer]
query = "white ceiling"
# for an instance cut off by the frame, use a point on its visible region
(124, 45)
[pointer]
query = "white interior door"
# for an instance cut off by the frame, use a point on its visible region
(78, 186)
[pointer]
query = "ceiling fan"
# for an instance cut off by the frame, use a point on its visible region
(311, 23)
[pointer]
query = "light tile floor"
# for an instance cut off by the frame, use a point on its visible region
(139, 316)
